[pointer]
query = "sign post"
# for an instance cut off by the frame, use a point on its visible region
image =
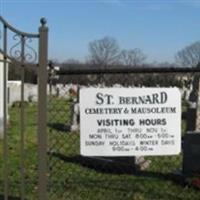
(130, 121)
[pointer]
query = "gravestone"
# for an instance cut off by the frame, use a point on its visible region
(193, 112)
(75, 117)
(198, 108)
(191, 144)
(191, 153)
(75, 113)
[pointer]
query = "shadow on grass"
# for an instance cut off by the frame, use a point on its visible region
(101, 164)
(118, 166)
(60, 127)
(10, 198)
(137, 185)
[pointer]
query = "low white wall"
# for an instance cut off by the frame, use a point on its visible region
(14, 92)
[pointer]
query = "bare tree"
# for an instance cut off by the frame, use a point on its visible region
(132, 57)
(189, 56)
(104, 51)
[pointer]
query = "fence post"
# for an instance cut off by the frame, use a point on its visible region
(42, 110)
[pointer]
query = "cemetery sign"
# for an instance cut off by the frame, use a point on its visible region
(130, 121)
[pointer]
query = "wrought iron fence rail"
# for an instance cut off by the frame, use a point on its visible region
(92, 69)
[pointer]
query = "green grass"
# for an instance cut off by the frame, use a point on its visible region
(74, 179)
(14, 152)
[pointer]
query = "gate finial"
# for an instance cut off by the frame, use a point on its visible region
(43, 21)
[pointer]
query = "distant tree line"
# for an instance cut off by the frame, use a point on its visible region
(106, 51)
(189, 56)
(129, 79)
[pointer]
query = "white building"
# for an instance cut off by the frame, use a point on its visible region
(1, 94)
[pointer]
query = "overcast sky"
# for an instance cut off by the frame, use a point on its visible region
(159, 28)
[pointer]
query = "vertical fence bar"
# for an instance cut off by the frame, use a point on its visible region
(42, 110)
(5, 138)
(22, 128)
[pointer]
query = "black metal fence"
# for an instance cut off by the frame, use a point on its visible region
(72, 176)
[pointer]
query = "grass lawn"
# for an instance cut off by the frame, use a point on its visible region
(30, 155)
(74, 178)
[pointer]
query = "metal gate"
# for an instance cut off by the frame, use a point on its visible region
(24, 51)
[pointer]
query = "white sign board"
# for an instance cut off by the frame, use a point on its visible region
(130, 121)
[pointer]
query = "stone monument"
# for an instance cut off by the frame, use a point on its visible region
(191, 153)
